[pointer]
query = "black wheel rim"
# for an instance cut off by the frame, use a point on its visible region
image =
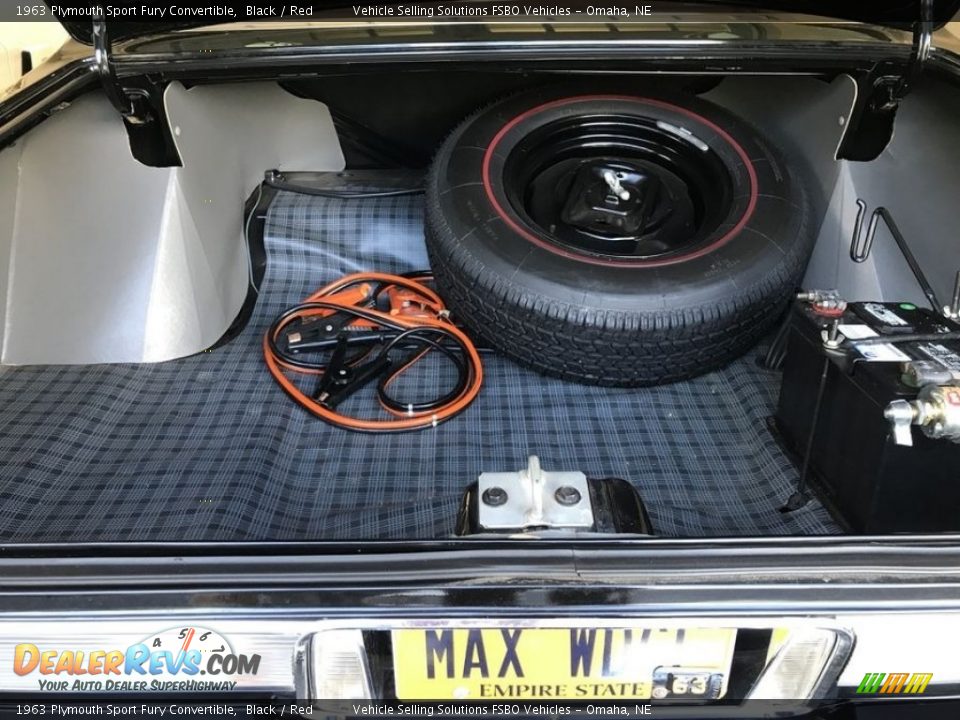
(618, 185)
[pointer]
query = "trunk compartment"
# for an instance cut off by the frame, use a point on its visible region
(206, 447)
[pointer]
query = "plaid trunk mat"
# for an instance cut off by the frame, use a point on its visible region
(208, 448)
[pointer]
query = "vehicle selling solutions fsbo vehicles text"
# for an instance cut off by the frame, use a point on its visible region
(496, 10)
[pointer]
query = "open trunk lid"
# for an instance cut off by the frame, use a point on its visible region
(138, 23)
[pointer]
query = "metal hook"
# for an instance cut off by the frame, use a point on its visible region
(857, 254)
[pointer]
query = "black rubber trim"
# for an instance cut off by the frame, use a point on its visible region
(254, 221)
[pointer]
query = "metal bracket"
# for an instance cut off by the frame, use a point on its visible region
(132, 103)
(879, 92)
(533, 498)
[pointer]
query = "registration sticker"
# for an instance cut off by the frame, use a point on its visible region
(634, 663)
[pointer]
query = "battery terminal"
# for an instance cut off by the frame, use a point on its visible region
(826, 303)
(936, 411)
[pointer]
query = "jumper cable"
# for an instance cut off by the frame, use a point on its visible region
(395, 321)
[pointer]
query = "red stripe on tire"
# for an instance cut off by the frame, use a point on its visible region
(523, 232)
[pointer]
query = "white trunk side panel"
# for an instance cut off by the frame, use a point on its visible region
(107, 260)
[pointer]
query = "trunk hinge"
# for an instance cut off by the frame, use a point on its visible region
(890, 90)
(880, 91)
(139, 101)
(132, 103)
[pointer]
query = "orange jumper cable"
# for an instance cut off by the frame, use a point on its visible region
(346, 312)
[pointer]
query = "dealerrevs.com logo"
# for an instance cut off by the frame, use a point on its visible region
(186, 659)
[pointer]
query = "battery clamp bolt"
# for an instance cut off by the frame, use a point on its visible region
(832, 339)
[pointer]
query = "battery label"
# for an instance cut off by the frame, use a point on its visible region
(884, 314)
(942, 354)
(884, 352)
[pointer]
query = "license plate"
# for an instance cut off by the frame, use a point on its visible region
(634, 663)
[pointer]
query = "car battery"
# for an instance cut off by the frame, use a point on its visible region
(869, 482)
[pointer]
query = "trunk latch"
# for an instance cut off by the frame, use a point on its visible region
(533, 501)
(533, 497)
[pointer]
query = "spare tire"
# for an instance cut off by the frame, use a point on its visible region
(614, 239)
